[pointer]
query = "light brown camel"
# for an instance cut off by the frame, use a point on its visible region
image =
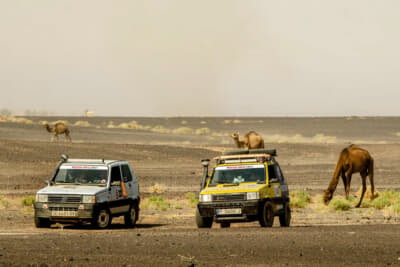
(58, 128)
(352, 160)
(251, 140)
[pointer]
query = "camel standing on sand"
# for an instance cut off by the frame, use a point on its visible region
(251, 140)
(352, 160)
(58, 128)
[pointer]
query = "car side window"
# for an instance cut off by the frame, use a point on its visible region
(126, 173)
(271, 172)
(279, 173)
(115, 174)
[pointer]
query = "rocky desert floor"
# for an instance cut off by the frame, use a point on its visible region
(165, 154)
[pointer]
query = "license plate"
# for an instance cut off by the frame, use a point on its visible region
(229, 211)
(63, 213)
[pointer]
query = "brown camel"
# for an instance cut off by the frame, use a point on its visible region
(352, 160)
(251, 140)
(58, 128)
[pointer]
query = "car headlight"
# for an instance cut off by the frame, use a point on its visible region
(253, 195)
(89, 199)
(205, 198)
(41, 198)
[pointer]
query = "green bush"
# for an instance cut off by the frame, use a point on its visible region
(157, 203)
(192, 199)
(299, 199)
(340, 204)
(28, 201)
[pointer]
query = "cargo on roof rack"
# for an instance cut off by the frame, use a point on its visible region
(271, 152)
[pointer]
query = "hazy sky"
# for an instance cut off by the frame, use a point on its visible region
(203, 57)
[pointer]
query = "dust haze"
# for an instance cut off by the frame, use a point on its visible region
(200, 58)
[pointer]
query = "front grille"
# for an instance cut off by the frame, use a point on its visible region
(227, 206)
(65, 199)
(228, 197)
(62, 209)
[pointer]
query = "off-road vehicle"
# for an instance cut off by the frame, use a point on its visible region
(88, 190)
(244, 185)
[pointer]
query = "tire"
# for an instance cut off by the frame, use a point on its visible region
(131, 217)
(102, 219)
(42, 222)
(266, 216)
(225, 225)
(286, 216)
(203, 222)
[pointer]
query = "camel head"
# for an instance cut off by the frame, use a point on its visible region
(327, 196)
(235, 136)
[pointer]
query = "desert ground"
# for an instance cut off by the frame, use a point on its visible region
(165, 154)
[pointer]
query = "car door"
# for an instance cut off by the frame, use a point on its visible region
(127, 179)
(118, 204)
(284, 187)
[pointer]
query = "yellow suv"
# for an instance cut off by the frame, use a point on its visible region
(244, 185)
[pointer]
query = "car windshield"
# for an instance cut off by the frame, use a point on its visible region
(88, 175)
(238, 174)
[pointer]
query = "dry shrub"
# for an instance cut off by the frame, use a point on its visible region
(398, 134)
(156, 203)
(160, 129)
(367, 194)
(15, 120)
(28, 201)
(203, 122)
(191, 197)
(184, 122)
(236, 121)
(82, 124)
(156, 189)
(227, 121)
(128, 125)
(203, 131)
(111, 125)
(43, 122)
(321, 138)
(183, 130)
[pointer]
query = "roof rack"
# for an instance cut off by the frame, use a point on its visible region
(246, 156)
(84, 161)
(271, 152)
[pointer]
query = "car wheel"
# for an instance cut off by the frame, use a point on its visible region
(266, 217)
(42, 222)
(284, 218)
(130, 218)
(103, 219)
(203, 222)
(225, 225)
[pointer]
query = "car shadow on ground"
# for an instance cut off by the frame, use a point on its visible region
(115, 226)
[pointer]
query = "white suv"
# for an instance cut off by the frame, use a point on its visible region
(94, 190)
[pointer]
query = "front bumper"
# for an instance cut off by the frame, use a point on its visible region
(65, 212)
(249, 208)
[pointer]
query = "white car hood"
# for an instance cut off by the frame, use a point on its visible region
(72, 189)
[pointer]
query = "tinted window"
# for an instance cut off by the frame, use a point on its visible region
(115, 174)
(126, 173)
(271, 172)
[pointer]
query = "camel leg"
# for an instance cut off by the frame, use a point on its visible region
(344, 181)
(364, 185)
(371, 181)
(348, 182)
(68, 137)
